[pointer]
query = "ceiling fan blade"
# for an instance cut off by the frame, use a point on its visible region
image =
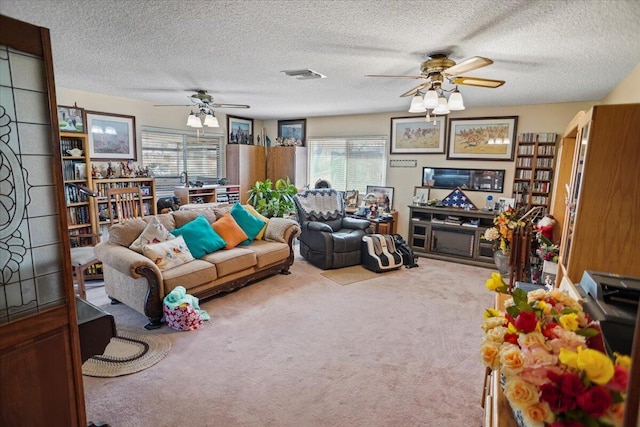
(477, 81)
(415, 90)
(468, 65)
(173, 105)
(396, 77)
(229, 106)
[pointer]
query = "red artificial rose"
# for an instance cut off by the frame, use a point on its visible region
(619, 380)
(557, 401)
(547, 330)
(526, 321)
(595, 401)
(511, 338)
(567, 423)
(571, 385)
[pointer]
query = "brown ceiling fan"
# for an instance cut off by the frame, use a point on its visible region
(439, 67)
(202, 100)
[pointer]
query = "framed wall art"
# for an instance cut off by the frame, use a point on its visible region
(482, 138)
(293, 132)
(384, 196)
(413, 135)
(239, 130)
(71, 119)
(111, 136)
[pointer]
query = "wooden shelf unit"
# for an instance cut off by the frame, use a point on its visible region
(287, 161)
(245, 166)
(208, 194)
(533, 177)
(600, 218)
(429, 233)
(147, 185)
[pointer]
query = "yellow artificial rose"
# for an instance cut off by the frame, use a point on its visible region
(537, 295)
(538, 414)
(596, 365)
(520, 393)
(512, 329)
(511, 360)
(569, 358)
(569, 321)
(622, 360)
(491, 312)
(533, 339)
(494, 282)
(489, 353)
(496, 334)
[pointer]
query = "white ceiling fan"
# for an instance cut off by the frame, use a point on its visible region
(205, 105)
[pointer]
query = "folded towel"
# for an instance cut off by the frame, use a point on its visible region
(179, 296)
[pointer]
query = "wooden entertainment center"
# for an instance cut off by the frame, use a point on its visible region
(451, 234)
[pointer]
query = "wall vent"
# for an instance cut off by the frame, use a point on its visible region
(305, 74)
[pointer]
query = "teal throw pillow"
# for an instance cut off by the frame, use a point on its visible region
(249, 223)
(200, 237)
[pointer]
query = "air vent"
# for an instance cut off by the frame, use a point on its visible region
(304, 74)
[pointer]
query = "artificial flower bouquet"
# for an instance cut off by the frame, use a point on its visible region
(553, 363)
(502, 231)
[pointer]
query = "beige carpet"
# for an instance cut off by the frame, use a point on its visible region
(353, 274)
(400, 349)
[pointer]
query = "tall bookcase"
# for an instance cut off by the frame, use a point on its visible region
(533, 180)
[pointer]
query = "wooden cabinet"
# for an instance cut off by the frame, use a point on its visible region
(287, 161)
(208, 194)
(533, 180)
(600, 224)
(147, 186)
(245, 166)
(451, 234)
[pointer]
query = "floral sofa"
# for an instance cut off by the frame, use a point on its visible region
(141, 280)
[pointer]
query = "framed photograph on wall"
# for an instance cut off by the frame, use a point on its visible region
(412, 135)
(111, 136)
(71, 119)
(239, 130)
(384, 196)
(482, 138)
(293, 132)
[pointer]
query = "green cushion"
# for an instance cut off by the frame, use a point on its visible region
(201, 239)
(249, 223)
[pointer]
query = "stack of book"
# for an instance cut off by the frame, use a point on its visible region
(453, 220)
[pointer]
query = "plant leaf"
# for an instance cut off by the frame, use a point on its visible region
(587, 332)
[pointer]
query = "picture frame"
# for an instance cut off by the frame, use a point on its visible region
(476, 138)
(413, 135)
(71, 119)
(146, 191)
(384, 196)
(293, 132)
(111, 136)
(239, 130)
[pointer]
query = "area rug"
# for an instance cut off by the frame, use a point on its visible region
(129, 352)
(349, 275)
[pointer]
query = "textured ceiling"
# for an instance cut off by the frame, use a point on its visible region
(547, 51)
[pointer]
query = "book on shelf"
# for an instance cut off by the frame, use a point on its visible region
(437, 221)
(454, 220)
(472, 223)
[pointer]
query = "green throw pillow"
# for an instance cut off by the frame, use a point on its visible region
(201, 239)
(249, 223)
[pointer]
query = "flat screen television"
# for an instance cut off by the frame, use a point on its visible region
(466, 179)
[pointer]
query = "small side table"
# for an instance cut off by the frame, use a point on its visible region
(96, 328)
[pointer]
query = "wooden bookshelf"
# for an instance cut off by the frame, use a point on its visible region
(533, 178)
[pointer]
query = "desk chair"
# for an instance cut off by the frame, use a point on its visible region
(124, 203)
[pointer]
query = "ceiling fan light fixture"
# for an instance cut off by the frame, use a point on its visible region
(455, 101)
(431, 99)
(442, 107)
(211, 120)
(417, 104)
(194, 121)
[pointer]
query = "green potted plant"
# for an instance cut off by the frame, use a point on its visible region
(273, 201)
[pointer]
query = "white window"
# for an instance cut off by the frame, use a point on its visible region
(169, 153)
(348, 163)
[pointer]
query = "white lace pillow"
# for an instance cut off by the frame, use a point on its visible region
(154, 232)
(169, 254)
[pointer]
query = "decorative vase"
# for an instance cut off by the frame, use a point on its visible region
(502, 262)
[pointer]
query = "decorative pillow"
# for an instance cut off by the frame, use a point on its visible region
(249, 223)
(200, 237)
(124, 233)
(258, 215)
(229, 230)
(154, 232)
(277, 228)
(169, 254)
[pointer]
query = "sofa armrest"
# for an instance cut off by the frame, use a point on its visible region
(281, 230)
(125, 260)
(355, 223)
(317, 226)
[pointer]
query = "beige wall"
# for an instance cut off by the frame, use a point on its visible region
(627, 91)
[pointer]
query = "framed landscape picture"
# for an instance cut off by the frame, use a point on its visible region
(413, 135)
(488, 138)
(293, 131)
(239, 130)
(111, 136)
(71, 119)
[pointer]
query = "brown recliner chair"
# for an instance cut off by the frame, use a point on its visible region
(329, 238)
